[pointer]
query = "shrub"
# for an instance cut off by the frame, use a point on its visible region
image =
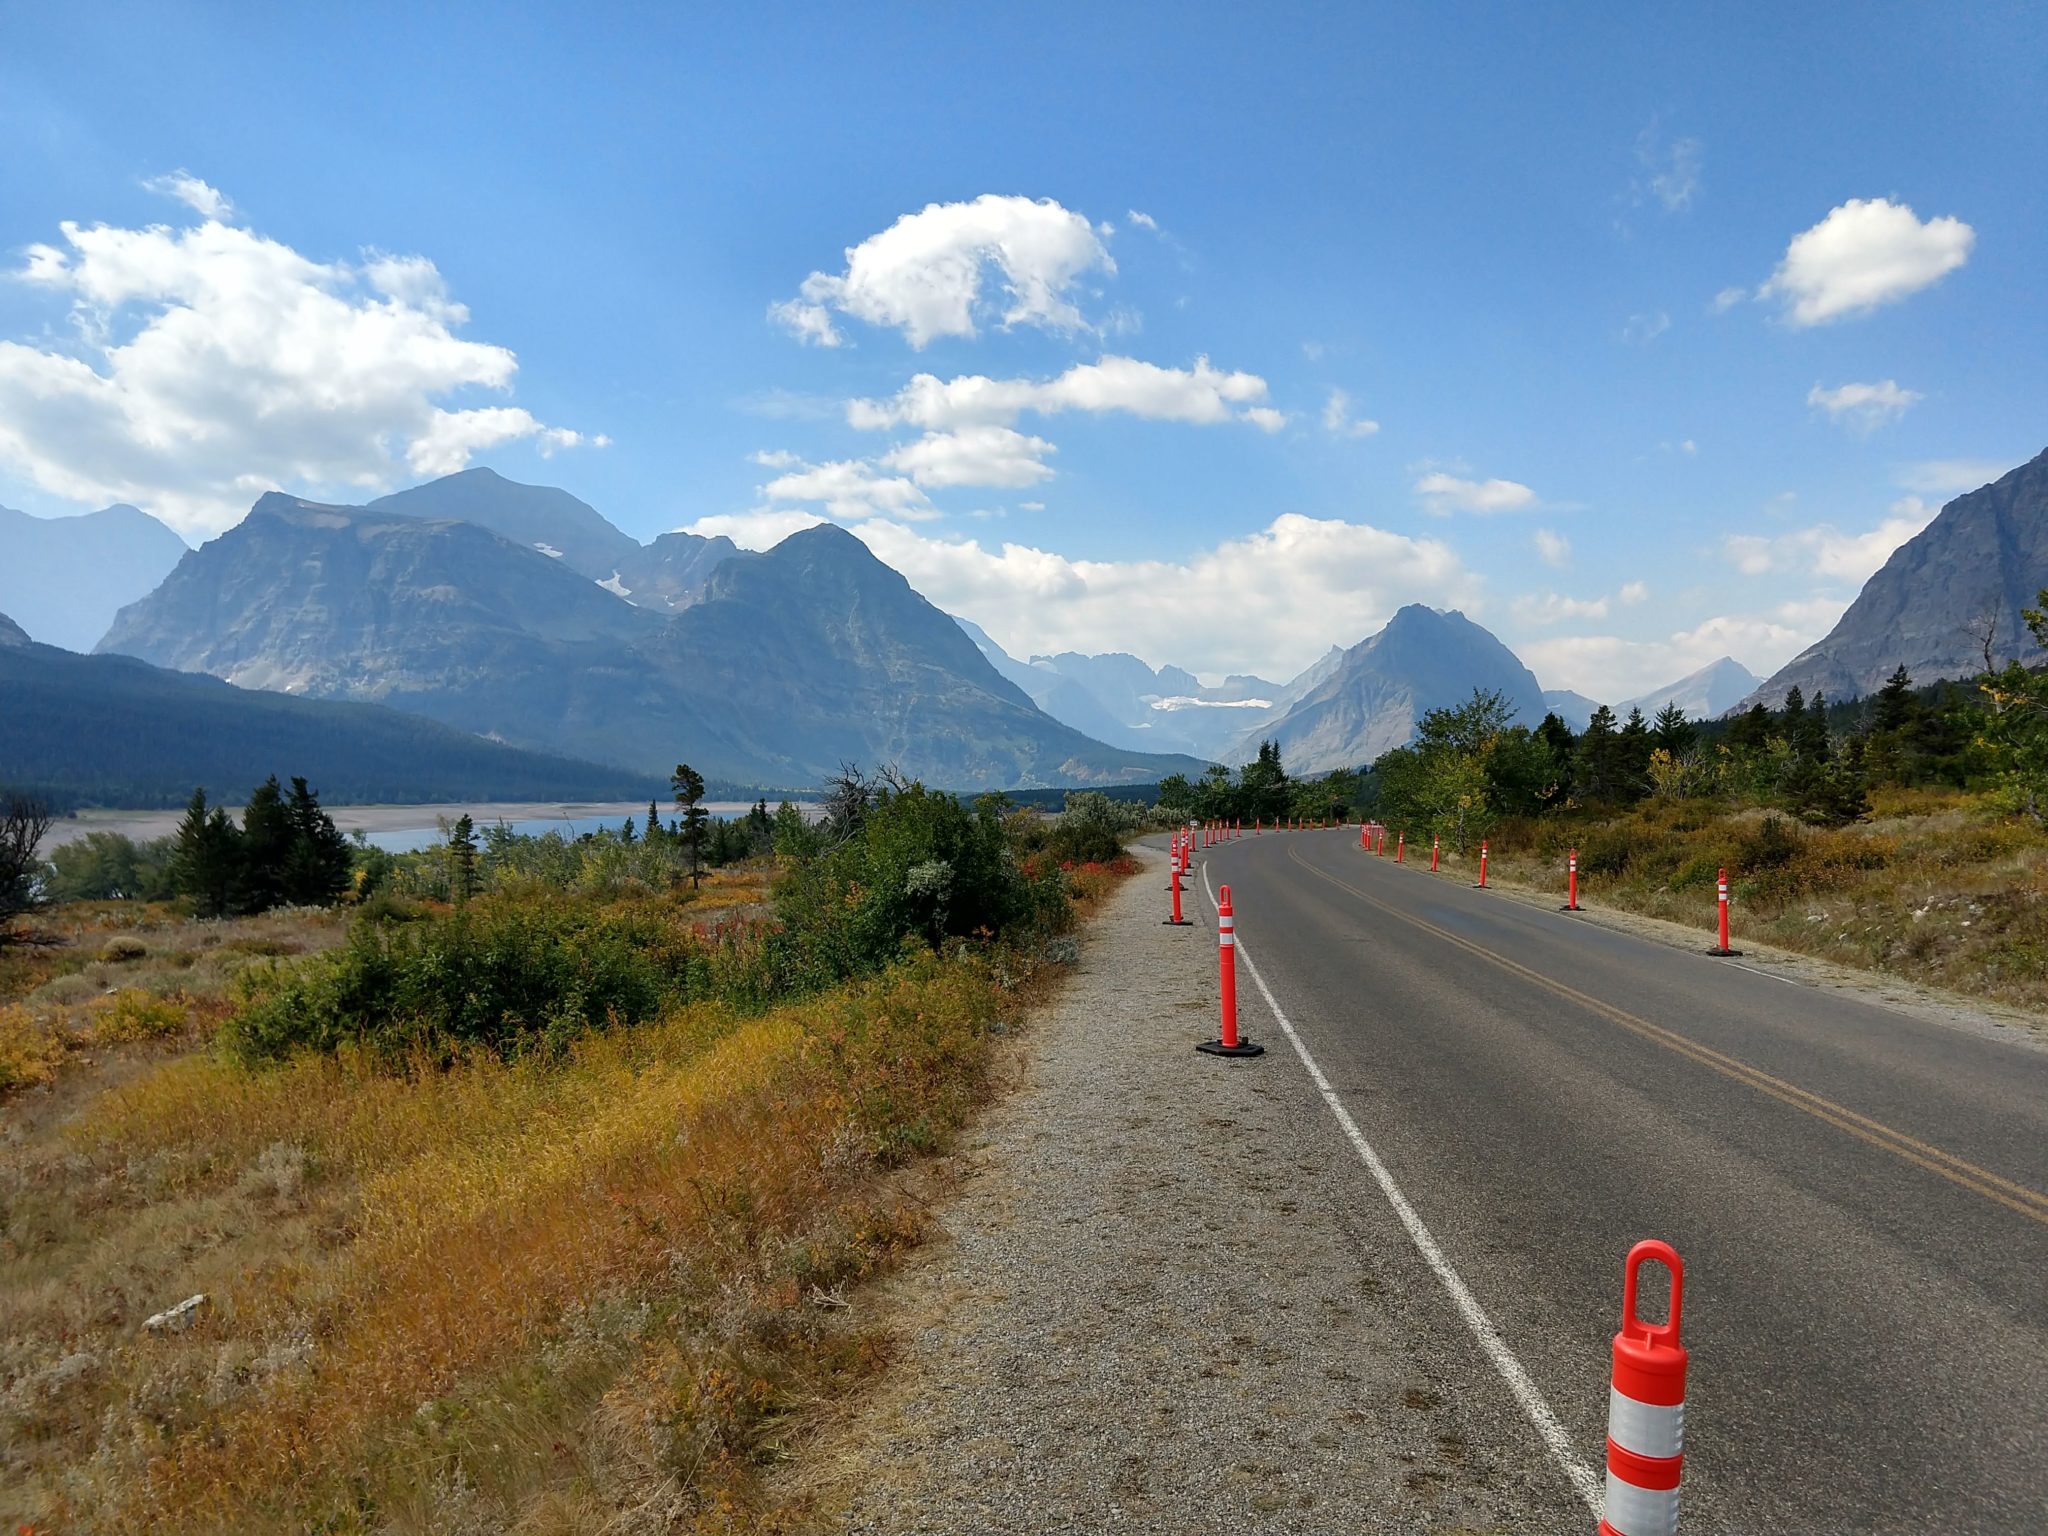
(123, 950)
(506, 973)
(135, 1014)
(1094, 828)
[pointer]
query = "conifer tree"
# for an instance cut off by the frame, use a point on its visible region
(205, 867)
(688, 785)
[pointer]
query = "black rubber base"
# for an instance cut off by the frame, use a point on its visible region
(1184, 922)
(1723, 954)
(1242, 1048)
(1571, 909)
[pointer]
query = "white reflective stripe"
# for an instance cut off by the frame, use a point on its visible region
(1634, 1511)
(1648, 1429)
(1227, 922)
(1227, 940)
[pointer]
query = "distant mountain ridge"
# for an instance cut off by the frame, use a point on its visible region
(1704, 695)
(114, 731)
(1372, 698)
(64, 578)
(782, 666)
(1982, 560)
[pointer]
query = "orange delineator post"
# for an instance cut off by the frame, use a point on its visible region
(1400, 847)
(1571, 903)
(1361, 834)
(1177, 921)
(1482, 863)
(1646, 1407)
(1228, 1042)
(1379, 842)
(1721, 902)
(1435, 845)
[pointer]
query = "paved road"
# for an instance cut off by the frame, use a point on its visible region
(1860, 1197)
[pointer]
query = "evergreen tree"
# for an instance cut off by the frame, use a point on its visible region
(1895, 702)
(318, 864)
(626, 831)
(462, 861)
(1561, 746)
(266, 849)
(1748, 731)
(653, 822)
(688, 785)
(205, 868)
(1673, 732)
(1597, 767)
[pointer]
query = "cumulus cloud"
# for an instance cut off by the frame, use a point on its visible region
(1338, 420)
(928, 274)
(977, 454)
(1632, 593)
(1865, 254)
(1727, 299)
(210, 364)
(1613, 668)
(1142, 220)
(851, 489)
(1201, 395)
(1863, 407)
(208, 202)
(1950, 477)
(1826, 550)
(1553, 549)
(1444, 494)
(1290, 588)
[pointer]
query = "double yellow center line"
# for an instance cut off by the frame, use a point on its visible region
(2028, 1202)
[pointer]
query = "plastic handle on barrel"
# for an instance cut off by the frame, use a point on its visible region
(1633, 1326)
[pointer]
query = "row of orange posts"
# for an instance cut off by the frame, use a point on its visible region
(1646, 1392)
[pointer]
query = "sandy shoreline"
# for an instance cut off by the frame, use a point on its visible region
(371, 819)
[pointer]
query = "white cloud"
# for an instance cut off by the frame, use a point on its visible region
(978, 454)
(1554, 549)
(1950, 477)
(1550, 608)
(1142, 220)
(208, 202)
(1444, 494)
(1643, 329)
(1289, 589)
(211, 364)
(1863, 407)
(1265, 418)
(1337, 417)
(1670, 174)
(1031, 506)
(774, 458)
(1612, 668)
(1201, 395)
(1632, 593)
(850, 489)
(1865, 254)
(1826, 550)
(1727, 299)
(760, 528)
(924, 275)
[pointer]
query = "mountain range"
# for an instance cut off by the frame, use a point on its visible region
(775, 670)
(64, 578)
(1930, 607)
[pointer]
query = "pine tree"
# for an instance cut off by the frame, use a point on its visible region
(205, 867)
(1673, 732)
(653, 833)
(266, 847)
(318, 865)
(462, 864)
(688, 785)
(1895, 702)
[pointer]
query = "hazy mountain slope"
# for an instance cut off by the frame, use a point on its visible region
(1370, 702)
(444, 618)
(64, 578)
(1704, 695)
(110, 730)
(1982, 559)
(12, 635)
(1574, 709)
(817, 652)
(540, 517)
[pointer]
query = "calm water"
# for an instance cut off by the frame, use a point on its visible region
(411, 839)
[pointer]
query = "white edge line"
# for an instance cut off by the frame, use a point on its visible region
(1767, 975)
(1554, 1435)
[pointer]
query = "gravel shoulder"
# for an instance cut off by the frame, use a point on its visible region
(1166, 1298)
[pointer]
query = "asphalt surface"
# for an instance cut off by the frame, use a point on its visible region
(1860, 1197)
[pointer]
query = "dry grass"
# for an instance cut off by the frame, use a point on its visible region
(1938, 886)
(592, 1294)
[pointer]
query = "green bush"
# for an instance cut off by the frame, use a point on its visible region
(505, 973)
(1093, 828)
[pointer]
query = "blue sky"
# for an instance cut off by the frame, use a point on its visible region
(1667, 325)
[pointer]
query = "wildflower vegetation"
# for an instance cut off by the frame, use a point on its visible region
(533, 1210)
